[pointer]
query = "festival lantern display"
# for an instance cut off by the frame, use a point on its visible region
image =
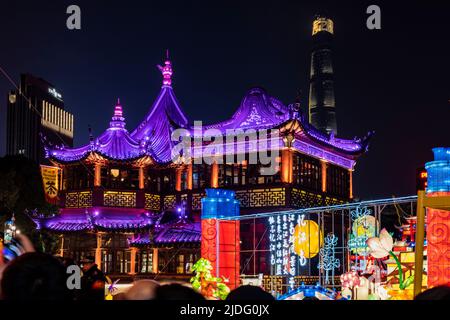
(381, 247)
(293, 241)
(362, 290)
(363, 227)
(328, 262)
(438, 219)
(405, 251)
(307, 239)
(209, 286)
(220, 243)
(304, 291)
(438, 247)
(349, 281)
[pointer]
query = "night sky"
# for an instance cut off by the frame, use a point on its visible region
(394, 81)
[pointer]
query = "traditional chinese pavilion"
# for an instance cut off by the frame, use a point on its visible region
(126, 202)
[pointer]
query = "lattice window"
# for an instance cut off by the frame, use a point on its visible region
(262, 197)
(79, 199)
(273, 283)
(169, 202)
(119, 199)
(333, 201)
(304, 199)
(197, 201)
(280, 285)
(152, 202)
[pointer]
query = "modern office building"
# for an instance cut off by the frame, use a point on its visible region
(322, 108)
(35, 113)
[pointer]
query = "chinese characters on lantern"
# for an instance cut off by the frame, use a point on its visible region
(283, 256)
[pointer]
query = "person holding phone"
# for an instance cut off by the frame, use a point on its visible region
(11, 249)
(32, 276)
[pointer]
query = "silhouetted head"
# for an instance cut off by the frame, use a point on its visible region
(142, 290)
(35, 276)
(249, 293)
(177, 291)
(436, 293)
(66, 262)
(87, 263)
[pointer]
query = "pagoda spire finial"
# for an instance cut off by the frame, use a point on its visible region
(118, 112)
(166, 70)
(91, 137)
(118, 121)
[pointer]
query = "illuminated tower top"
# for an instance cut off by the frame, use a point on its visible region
(322, 24)
(166, 71)
(117, 121)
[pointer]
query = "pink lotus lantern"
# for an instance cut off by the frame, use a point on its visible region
(350, 280)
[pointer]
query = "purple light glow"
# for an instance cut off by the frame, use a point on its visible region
(257, 110)
(173, 233)
(104, 218)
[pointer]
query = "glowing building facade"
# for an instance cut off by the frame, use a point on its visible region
(132, 202)
(36, 109)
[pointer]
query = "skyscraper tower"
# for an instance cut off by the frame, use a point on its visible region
(322, 112)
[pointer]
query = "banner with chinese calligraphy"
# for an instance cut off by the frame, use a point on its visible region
(293, 242)
(50, 180)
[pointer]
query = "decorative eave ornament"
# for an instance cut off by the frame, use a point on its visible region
(166, 71)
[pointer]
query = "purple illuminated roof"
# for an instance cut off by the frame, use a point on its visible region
(164, 116)
(70, 220)
(121, 220)
(258, 110)
(114, 143)
(185, 232)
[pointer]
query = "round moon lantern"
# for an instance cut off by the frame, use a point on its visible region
(307, 239)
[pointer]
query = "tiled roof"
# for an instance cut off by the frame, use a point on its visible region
(113, 219)
(152, 137)
(186, 232)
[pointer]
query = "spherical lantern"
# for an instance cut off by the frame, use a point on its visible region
(307, 239)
